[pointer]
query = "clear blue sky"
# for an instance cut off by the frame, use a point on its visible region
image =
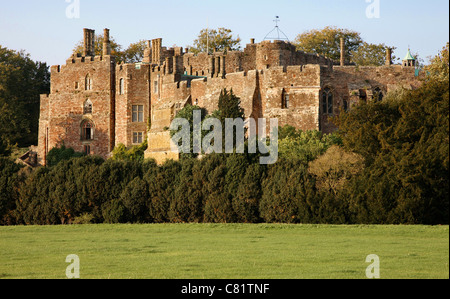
(42, 28)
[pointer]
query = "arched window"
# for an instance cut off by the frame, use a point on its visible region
(87, 108)
(87, 130)
(327, 101)
(378, 95)
(88, 83)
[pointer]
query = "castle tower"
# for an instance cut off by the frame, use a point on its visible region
(409, 60)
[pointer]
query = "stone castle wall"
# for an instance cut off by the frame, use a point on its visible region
(272, 79)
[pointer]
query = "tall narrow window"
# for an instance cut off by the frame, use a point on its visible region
(327, 101)
(138, 113)
(346, 105)
(88, 83)
(155, 84)
(87, 109)
(87, 132)
(285, 101)
(121, 86)
(138, 137)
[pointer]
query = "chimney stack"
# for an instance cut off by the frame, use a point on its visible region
(388, 56)
(252, 41)
(148, 53)
(342, 51)
(89, 42)
(106, 43)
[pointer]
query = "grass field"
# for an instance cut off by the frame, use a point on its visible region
(218, 251)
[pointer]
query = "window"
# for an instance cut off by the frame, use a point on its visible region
(88, 83)
(378, 95)
(327, 101)
(76, 85)
(121, 86)
(87, 109)
(156, 86)
(87, 132)
(138, 137)
(285, 101)
(346, 105)
(87, 150)
(138, 113)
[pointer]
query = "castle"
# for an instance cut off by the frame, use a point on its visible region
(96, 103)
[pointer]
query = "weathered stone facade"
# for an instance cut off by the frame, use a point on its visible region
(96, 103)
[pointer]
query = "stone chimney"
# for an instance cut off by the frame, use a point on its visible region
(388, 56)
(156, 51)
(342, 51)
(106, 43)
(89, 42)
(148, 53)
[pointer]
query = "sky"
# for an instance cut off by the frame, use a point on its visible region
(49, 29)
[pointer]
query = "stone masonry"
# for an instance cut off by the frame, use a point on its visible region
(96, 104)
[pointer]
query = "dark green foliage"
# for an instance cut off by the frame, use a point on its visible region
(134, 198)
(406, 147)
(248, 194)
(287, 192)
(161, 190)
(188, 114)
(9, 184)
(114, 211)
(56, 155)
(187, 203)
(21, 83)
(218, 206)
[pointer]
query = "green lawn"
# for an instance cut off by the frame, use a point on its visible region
(218, 251)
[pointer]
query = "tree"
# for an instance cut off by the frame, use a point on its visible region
(134, 198)
(248, 195)
(133, 153)
(9, 184)
(229, 108)
(371, 55)
(188, 113)
(21, 83)
(438, 69)
(58, 154)
(215, 41)
(335, 168)
(287, 193)
(405, 145)
(305, 145)
(187, 203)
(326, 42)
(135, 52)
